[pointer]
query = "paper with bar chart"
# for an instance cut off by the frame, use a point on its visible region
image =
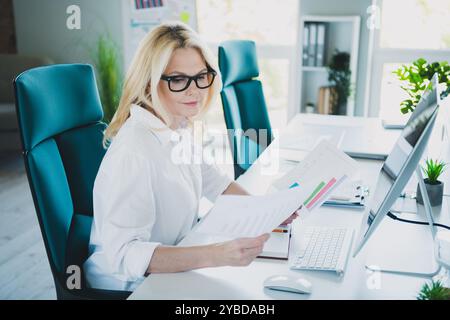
(324, 169)
(307, 186)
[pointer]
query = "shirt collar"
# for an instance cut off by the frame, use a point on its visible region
(164, 134)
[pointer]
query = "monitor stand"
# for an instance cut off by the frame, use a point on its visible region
(407, 249)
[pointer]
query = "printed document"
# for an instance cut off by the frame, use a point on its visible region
(305, 187)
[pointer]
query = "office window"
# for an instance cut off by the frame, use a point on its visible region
(273, 26)
(410, 29)
(416, 24)
(391, 93)
(267, 22)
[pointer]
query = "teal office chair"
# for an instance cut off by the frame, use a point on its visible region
(243, 103)
(59, 113)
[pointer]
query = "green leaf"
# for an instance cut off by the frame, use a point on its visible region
(433, 169)
(415, 78)
(434, 291)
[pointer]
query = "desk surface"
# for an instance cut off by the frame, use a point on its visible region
(247, 282)
(359, 137)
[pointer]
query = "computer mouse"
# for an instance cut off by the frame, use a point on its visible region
(288, 283)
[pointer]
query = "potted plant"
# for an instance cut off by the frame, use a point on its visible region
(109, 78)
(416, 77)
(435, 188)
(339, 75)
(434, 291)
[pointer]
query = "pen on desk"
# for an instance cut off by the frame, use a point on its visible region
(280, 230)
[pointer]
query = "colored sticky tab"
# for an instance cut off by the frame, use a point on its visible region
(185, 17)
(294, 185)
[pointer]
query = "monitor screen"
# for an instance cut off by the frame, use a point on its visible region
(438, 147)
(403, 148)
(398, 166)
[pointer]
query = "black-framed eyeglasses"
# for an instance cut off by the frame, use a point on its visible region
(180, 83)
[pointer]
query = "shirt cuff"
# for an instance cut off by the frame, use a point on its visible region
(137, 259)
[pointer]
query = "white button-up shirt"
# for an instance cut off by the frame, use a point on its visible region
(142, 198)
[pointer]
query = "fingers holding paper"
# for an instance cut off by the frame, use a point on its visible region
(291, 218)
(241, 251)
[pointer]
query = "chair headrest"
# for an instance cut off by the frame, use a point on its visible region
(237, 61)
(54, 99)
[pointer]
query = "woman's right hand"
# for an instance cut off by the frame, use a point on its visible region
(239, 252)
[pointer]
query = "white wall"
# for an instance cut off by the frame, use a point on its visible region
(41, 28)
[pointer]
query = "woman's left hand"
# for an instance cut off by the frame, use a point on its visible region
(291, 218)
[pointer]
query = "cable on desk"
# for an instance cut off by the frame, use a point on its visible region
(394, 217)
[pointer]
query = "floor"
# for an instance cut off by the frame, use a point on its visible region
(24, 268)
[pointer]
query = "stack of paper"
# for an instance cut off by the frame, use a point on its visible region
(351, 194)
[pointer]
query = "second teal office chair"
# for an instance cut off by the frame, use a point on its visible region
(59, 113)
(243, 102)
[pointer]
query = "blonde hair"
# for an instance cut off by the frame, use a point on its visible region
(150, 61)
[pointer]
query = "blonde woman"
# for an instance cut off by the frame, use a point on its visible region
(144, 202)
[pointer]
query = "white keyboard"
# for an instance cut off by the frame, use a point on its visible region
(324, 248)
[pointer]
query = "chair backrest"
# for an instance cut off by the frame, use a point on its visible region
(59, 113)
(243, 102)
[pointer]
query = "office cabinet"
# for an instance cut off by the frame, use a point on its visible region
(322, 40)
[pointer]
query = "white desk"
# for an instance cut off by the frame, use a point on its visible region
(246, 282)
(360, 137)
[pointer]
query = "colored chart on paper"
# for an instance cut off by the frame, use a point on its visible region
(295, 184)
(321, 191)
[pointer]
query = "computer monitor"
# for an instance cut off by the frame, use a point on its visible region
(401, 163)
(439, 144)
